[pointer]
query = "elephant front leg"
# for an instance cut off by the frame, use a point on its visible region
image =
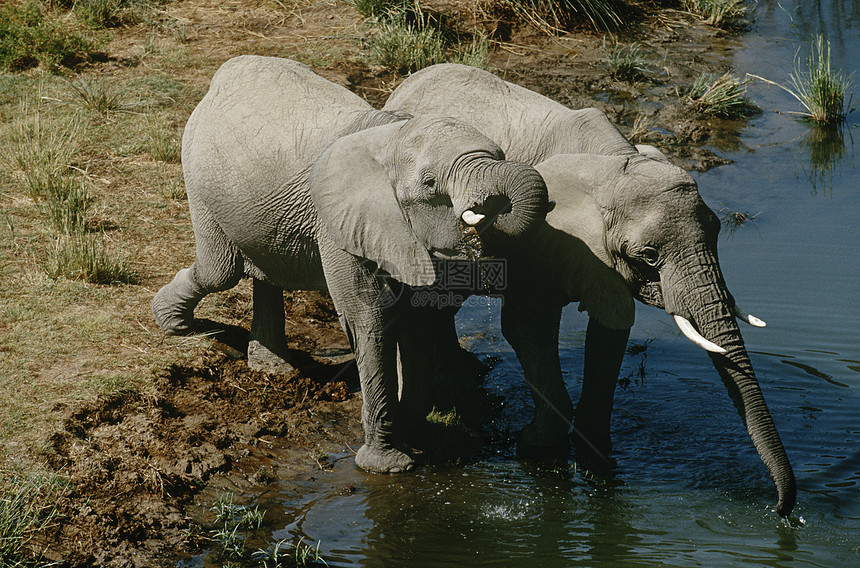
(532, 330)
(604, 352)
(356, 293)
(267, 346)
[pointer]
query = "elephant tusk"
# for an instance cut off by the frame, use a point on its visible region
(472, 218)
(690, 332)
(750, 319)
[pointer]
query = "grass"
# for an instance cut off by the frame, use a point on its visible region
(101, 96)
(723, 96)
(626, 63)
(32, 35)
(553, 16)
(406, 47)
(28, 503)
(820, 89)
(719, 13)
(86, 257)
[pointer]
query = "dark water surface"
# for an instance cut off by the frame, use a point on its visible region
(690, 489)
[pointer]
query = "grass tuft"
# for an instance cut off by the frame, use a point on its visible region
(720, 13)
(43, 154)
(723, 96)
(625, 63)
(84, 257)
(553, 16)
(66, 205)
(406, 47)
(819, 88)
(28, 503)
(100, 96)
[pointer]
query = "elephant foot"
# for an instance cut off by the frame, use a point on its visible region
(261, 358)
(172, 318)
(383, 461)
(592, 450)
(537, 443)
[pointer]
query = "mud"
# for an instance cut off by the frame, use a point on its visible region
(138, 461)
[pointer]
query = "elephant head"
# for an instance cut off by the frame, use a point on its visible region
(402, 193)
(645, 218)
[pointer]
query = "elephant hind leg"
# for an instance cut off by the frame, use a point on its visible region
(218, 266)
(267, 348)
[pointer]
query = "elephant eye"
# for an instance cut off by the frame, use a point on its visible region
(650, 256)
(429, 181)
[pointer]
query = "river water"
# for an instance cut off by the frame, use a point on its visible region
(690, 489)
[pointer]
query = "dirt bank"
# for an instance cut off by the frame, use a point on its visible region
(137, 457)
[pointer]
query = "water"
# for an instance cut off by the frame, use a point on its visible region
(690, 489)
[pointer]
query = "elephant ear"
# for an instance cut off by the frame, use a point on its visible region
(357, 204)
(571, 181)
(652, 152)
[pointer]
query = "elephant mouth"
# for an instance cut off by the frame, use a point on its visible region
(469, 247)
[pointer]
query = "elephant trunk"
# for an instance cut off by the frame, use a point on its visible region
(516, 204)
(702, 297)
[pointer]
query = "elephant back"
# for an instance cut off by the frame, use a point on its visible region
(263, 119)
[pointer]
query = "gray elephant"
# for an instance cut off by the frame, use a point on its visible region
(300, 184)
(641, 218)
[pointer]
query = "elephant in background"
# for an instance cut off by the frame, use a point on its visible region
(642, 219)
(300, 184)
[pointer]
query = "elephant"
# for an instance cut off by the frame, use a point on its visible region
(300, 184)
(643, 223)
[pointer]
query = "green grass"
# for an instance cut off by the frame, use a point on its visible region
(626, 63)
(87, 257)
(820, 89)
(723, 96)
(101, 96)
(43, 151)
(32, 35)
(67, 205)
(28, 501)
(553, 16)
(406, 47)
(719, 13)
(381, 8)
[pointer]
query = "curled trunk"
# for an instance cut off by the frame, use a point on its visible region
(519, 199)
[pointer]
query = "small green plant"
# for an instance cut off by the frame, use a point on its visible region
(447, 419)
(84, 257)
(552, 16)
(163, 145)
(819, 88)
(100, 96)
(30, 37)
(719, 13)
(723, 96)
(475, 54)
(380, 8)
(234, 521)
(406, 47)
(626, 63)
(66, 205)
(43, 152)
(28, 501)
(284, 552)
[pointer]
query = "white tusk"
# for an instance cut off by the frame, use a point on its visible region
(472, 218)
(689, 331)
(752, 320)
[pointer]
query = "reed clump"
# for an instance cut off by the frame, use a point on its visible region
(719, 13)
(625, 63)
(723, 96)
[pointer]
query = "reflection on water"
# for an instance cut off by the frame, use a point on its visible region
(826, 148)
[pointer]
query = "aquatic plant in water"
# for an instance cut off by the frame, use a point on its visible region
(819, 88)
